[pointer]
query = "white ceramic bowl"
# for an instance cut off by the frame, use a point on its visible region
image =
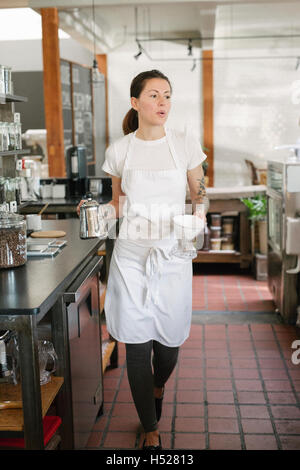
(187, 226)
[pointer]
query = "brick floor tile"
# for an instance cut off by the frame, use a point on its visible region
(277, 385)
(289, 412)
(190, 410)
(189, 372)
(189, 441)
(189, 396)
(94, 440)
(296, 384)
(253, 426)
(122, 423)
(218, 373)
(217, 362)
(190, 362)
(110, 383)
(189, 425)
(269, 363)
(274, 374)
(221, 411)
(220, 397)
(124, 396)
(189, 384)
(250, 397)
(288, 426)
(100, 424)
(165, 423)
(254, 385)
(290, 442)
(238, 363)
(260, 442)
(215, 344)
(119, 440)
(254, 411)
(218, 384)
(245, 374)
(224, 442)
(224, 425)
(109, 395)
(295, 374)
(124, 409)
(216, 353)
(281, 398)
(268, 353)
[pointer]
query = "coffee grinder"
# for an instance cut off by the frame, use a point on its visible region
(76, 171)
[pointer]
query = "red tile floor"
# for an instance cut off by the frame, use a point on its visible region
(234, 386)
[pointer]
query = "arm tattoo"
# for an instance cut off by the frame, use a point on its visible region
(201, 197)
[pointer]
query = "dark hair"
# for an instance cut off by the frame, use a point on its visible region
(130, 121)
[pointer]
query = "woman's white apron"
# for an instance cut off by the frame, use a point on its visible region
(149, 291)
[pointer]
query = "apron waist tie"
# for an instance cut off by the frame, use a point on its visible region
(153, 267)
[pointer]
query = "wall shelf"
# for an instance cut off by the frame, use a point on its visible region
(12, 99)
(12, 419)
(15, 152)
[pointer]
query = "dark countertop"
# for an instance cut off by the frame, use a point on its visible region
(58, 204)
(34, 287)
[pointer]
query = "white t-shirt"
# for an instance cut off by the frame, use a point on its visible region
(154, 154)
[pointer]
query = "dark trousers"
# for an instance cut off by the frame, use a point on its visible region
(142, 380)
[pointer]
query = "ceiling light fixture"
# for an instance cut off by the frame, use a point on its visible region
(190, 47)
(97, 77)
(194, 65)
(136, 56)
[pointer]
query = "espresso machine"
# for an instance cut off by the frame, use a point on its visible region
(76, 171)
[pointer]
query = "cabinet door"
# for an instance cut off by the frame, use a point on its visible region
(85, 360)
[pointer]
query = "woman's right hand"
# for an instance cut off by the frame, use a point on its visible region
(79, 205)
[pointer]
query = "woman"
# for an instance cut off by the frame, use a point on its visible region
(148, 303)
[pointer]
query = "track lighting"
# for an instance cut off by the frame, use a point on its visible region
(194, 65)
(190, 47)
(136, 56)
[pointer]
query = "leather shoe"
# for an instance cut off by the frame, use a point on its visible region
(158, 405)
(159, 447)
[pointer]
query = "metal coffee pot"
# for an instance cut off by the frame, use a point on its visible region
(92, 223)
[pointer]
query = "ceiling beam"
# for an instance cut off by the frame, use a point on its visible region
(65, 4)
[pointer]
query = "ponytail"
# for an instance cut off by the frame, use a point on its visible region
(130, 122)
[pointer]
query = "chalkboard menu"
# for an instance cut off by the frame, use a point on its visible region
(83, 109)
(66, 89)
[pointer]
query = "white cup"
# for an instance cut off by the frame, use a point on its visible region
(34, 222)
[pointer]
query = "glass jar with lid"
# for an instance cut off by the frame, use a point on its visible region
(13, 250)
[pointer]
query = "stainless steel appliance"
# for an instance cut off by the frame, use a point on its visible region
(76, 171)
(283, 199)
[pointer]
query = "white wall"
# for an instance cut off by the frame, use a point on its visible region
(186, 111)
(28, 55)
(254, 107)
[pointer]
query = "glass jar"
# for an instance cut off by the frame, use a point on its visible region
(12, 136)
(7, 80)
(1, 136)
(18, 190)
(2, 87)
(13, 251)
(2, 195)
(18, 136)
(4, 136)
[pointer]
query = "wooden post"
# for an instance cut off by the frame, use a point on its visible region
(102, 66)
(208, 111)
(52, 93)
